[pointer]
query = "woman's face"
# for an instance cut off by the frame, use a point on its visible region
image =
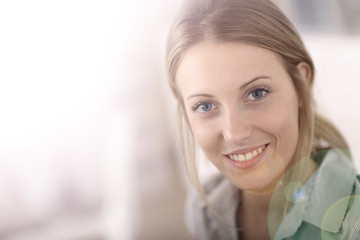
(242, 108)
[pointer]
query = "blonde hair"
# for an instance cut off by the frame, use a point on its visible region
(258, 23)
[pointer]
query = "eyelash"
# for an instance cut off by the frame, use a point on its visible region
(264, 90)
(196, 107)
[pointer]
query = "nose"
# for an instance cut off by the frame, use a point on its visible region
(236, 127)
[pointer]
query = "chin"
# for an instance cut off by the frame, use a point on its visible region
(259, 184)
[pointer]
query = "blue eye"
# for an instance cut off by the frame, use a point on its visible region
(258, 93)
(204, 107)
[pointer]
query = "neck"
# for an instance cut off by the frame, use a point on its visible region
(258, 204)
(252, 216)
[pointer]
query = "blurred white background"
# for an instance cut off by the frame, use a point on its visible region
(87, 147)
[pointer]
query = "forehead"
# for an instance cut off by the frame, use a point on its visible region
(209, 63)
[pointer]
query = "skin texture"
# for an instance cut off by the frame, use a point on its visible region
(238, 97)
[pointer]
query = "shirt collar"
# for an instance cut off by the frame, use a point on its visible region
(332, 182)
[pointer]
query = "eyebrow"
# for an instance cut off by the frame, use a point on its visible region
(242, 87)
(254, 80)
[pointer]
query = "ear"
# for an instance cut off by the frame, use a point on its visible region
(304, 70)
(305, 73)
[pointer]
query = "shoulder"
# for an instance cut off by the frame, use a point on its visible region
(331, 208)
(342, 218)
(197, 218)
(351, 223)
(200, 218)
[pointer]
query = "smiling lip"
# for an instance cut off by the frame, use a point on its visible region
(246, 158)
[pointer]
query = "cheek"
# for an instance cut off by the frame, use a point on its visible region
(282, 120)
(205, 134)
(282, 123)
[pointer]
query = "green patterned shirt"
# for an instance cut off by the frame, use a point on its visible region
(329, 207)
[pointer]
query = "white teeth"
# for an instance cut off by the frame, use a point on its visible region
(247, 156)
(254, 153)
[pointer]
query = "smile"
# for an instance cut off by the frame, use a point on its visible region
(248, 155)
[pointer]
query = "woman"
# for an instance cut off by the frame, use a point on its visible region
(243, 80)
